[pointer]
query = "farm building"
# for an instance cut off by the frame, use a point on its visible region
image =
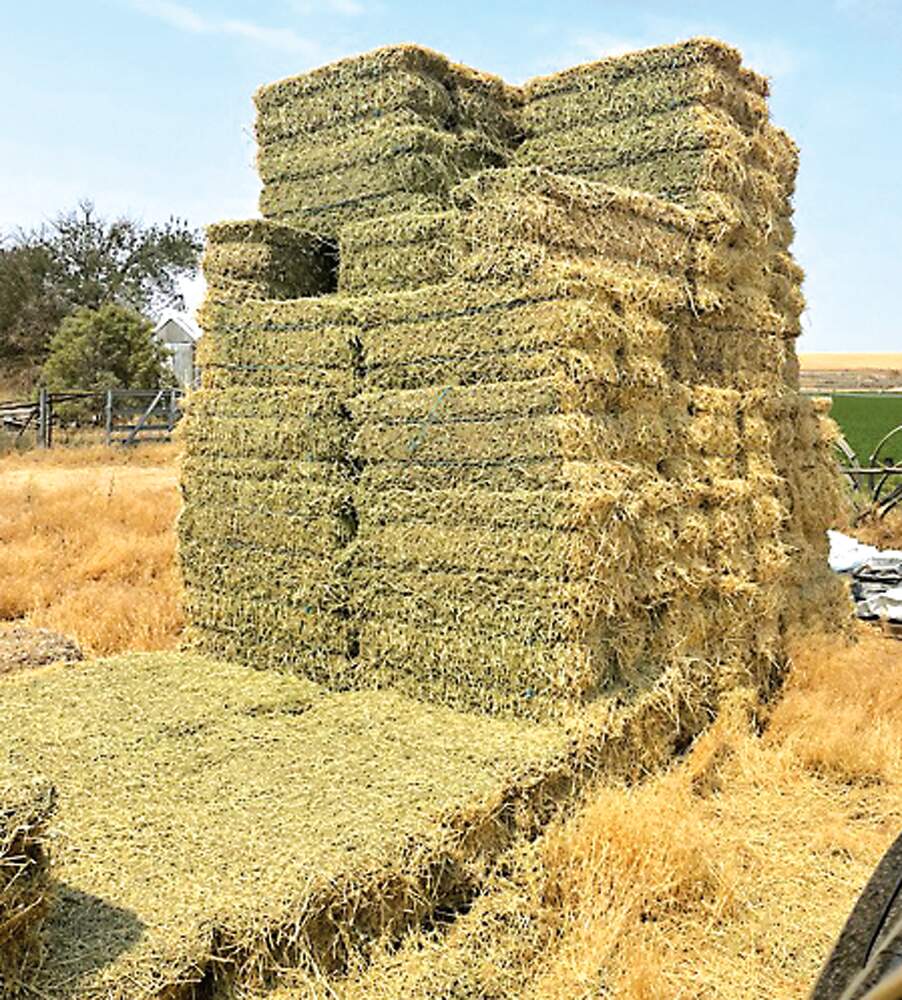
(179, 334)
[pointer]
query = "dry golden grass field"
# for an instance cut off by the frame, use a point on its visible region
(728, 876)
(87, 545)
(827, 361)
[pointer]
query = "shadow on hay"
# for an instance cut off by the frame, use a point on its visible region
(89, 931)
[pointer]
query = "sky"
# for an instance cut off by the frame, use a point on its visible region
(144, 107)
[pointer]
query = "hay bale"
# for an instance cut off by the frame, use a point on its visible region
(388, 131)
(249, 821)
(258, 259)
(405, 250)
(26, 807)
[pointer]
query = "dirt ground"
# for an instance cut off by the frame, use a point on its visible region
(24, 648)
(837, 372)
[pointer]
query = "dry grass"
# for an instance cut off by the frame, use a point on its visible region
(885, 532)
(851, 362)
(87, 546)
(731, 875)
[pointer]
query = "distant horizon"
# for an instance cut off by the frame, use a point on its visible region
(144, 106)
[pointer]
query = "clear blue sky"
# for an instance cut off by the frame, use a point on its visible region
(144, 106)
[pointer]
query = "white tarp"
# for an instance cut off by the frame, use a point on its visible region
(847, 553)
(876, 576)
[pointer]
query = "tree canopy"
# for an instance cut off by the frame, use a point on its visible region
(79, 260)
(107, 348)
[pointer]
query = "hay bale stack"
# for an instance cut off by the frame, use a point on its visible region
(688, 123)
(388, 131)
(26, 807)
(267, 486)
(546, 516)
(544, 447)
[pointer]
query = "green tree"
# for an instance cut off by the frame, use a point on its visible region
(80, 260)
(107, 348)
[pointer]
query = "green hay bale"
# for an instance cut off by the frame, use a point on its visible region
(248, 822)
(406, 250)
(237, 485)
(569, 437)
(584, 493)
(306, 335)
(217, 532)
(331, 217)
(498, 675)
(262, 437)
(388, 131)
(685, 122)
(270, 634)
(381, 83)
(26, 892)
(414, 168)
(263, 260)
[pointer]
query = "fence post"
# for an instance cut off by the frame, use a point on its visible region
(109, 417)
(42, 418)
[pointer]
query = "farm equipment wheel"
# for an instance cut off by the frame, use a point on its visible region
(887, 489)
(847, 457)
(870, 945)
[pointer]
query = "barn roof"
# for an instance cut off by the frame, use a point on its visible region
(181, 319)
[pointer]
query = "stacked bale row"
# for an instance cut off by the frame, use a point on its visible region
(390, 131)
(26, 807)
(545, 514)
(689, 123)
(266, 476)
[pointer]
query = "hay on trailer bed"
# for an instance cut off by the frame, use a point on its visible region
(26, 807)
(216, 822)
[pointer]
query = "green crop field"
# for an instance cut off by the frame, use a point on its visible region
(865, 419)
